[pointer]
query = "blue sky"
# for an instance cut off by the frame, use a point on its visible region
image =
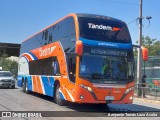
(19, 19)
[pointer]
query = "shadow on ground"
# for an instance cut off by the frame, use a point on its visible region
(102, 107)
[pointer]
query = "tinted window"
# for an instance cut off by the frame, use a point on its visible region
(40, 67)
(5, 74)
(62, 31)
(67, 35)
(71, 64)
(103, 30)
(48, 66)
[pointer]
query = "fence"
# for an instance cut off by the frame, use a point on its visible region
(150, 92)
(151, 68)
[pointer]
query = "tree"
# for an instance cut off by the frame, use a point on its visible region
(157, 48)
(153, 45)
(8, 64)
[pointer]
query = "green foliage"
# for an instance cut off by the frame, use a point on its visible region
(153, 45)
(8, 64)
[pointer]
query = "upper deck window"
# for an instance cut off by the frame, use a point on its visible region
(101, 29)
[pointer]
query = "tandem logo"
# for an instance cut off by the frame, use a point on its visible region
(100, 27)
(46, 51)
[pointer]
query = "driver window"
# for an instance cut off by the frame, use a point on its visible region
(72, 68)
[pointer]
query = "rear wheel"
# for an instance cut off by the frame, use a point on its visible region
(57, 97)
(26, 87)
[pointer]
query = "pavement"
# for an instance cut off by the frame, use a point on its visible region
(16, 100)
(148, 98)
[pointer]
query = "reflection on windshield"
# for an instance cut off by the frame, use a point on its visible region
(104, 68)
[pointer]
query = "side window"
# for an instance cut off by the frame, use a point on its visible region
(55, 66)
(67, 28)
(72, 67)
(47, 36)
(47, 66)
(67, 35)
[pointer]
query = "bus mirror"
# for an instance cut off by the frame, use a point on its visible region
(144, 53)
(79, 47)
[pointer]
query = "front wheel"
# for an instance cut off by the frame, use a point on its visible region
(13, 86)
(57, 97)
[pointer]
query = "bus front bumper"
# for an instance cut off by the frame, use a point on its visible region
(87, 97)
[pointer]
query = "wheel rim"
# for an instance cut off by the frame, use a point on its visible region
(26, 87)
(23, 84)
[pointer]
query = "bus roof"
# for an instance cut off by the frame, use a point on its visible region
(98, 16)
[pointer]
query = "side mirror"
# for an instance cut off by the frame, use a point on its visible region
(79, 47)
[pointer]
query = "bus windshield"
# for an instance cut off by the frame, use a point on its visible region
(103, 30)
(106, 69)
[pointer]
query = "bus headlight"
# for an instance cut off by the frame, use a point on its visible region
(131, 98)
(86, 87)
(129, 89)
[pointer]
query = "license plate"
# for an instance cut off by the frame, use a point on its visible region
(109, 98)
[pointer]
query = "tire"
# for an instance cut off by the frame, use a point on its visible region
(26, 87)
(57, 97)
(13, 86)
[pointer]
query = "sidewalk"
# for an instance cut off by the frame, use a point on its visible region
(148, 98)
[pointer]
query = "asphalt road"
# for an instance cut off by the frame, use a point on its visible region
(16, 100)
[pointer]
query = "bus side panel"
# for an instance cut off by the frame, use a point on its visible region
(19, 81)
(40, 84)
(48, 85)
(62, 96)
(29, 83)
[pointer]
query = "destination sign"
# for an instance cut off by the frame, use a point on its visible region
(111, 52)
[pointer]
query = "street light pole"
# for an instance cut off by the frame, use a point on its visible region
(139, 61)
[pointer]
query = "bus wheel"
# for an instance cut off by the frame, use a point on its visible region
(26, 87)
(57, 97)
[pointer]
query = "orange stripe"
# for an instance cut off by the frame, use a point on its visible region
(36, 81)
(35, 84)
(39, 85)
(28, 57)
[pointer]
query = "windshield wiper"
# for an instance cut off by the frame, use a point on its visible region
(119, 77)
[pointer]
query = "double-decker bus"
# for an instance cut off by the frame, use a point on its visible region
(81, 58)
